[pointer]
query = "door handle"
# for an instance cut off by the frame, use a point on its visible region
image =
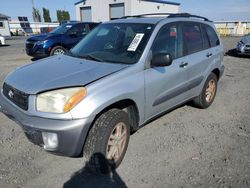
(209, 54)
(183, 64)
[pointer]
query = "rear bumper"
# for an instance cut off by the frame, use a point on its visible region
(71, 133)
(222, 69)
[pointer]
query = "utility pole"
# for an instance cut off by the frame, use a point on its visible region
(33, 8)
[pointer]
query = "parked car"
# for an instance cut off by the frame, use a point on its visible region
(243, 46)
(59, 40)
(2, 40)
(122, 75)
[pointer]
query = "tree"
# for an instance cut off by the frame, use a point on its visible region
(36, 15)
(46, 15)
(62, 15)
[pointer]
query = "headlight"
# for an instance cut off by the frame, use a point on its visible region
(241, 42)
(41, 42)
(60, 101)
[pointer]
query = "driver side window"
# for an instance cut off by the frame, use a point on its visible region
(78, 30)
(168, 40)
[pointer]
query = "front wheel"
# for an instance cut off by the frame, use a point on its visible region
(206, 98)
(107, 141)
(57, 50)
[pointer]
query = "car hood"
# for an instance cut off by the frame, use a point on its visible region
(246, 39)
(59, 72)
(42, 37)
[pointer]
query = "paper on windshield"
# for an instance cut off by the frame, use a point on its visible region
(136, 41)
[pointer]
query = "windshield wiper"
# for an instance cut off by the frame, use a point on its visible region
(90, 57)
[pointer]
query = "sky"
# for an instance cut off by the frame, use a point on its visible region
(217, 10)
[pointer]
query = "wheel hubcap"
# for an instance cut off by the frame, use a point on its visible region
(58, 51)
(210, 91)
(117, 141)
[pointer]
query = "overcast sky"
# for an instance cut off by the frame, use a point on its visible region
(216, 10)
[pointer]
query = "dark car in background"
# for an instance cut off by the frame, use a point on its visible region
(58, 41)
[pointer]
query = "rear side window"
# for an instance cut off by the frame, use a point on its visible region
(192, 38)
(213, 38)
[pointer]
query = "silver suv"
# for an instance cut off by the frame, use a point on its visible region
(119, 77)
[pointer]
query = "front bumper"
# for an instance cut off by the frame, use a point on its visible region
(2, 42)
(243, 49)
(34, 50)
(71, 133)
(40, 52)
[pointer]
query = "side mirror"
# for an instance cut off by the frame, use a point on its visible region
(161, 60)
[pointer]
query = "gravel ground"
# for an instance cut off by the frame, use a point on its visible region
(187, 147)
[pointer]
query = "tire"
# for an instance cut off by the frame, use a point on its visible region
(57, 50)
(206, 97)
(101, 147)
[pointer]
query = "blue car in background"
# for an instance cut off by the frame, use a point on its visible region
(58, 41)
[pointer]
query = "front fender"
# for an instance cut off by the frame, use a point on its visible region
(126, 84)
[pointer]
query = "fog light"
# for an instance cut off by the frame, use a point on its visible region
(50, 141)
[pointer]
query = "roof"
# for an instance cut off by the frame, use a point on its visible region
(2, 16)
(154, 1)
(164, 2)
(79, 2)
(157, 17)
(148, 20)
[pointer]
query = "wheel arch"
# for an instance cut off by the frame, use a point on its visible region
(217, 73)
(57, 44)
(127, 105)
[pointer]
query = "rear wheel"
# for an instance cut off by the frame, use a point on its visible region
(57, 50)
(107, 141)
(206, 98)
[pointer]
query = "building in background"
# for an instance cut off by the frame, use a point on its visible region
(4, 25)
(105, 10)
(227, 28)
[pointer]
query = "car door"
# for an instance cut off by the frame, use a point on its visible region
(199, 54)
(165, 87)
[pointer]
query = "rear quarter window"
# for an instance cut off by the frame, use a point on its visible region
(213, 38)
(192, 38)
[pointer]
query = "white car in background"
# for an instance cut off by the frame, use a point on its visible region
(2, 40)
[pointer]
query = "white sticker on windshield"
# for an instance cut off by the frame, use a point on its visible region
(136, 41)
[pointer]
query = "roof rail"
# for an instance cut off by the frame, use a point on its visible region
(187, 15)
(168, 15)
(145, 15)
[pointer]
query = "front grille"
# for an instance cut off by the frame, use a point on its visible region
(30, 44)
(247, 51)
(248, 46)
(19, 98)
(34, 136)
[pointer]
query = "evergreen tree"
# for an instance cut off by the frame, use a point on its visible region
(62, 15)
(36, 15)
(46, 15)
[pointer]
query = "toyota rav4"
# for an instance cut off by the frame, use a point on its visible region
(119, 77)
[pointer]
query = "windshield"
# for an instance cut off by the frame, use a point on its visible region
(62, 29)
(114, 43)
